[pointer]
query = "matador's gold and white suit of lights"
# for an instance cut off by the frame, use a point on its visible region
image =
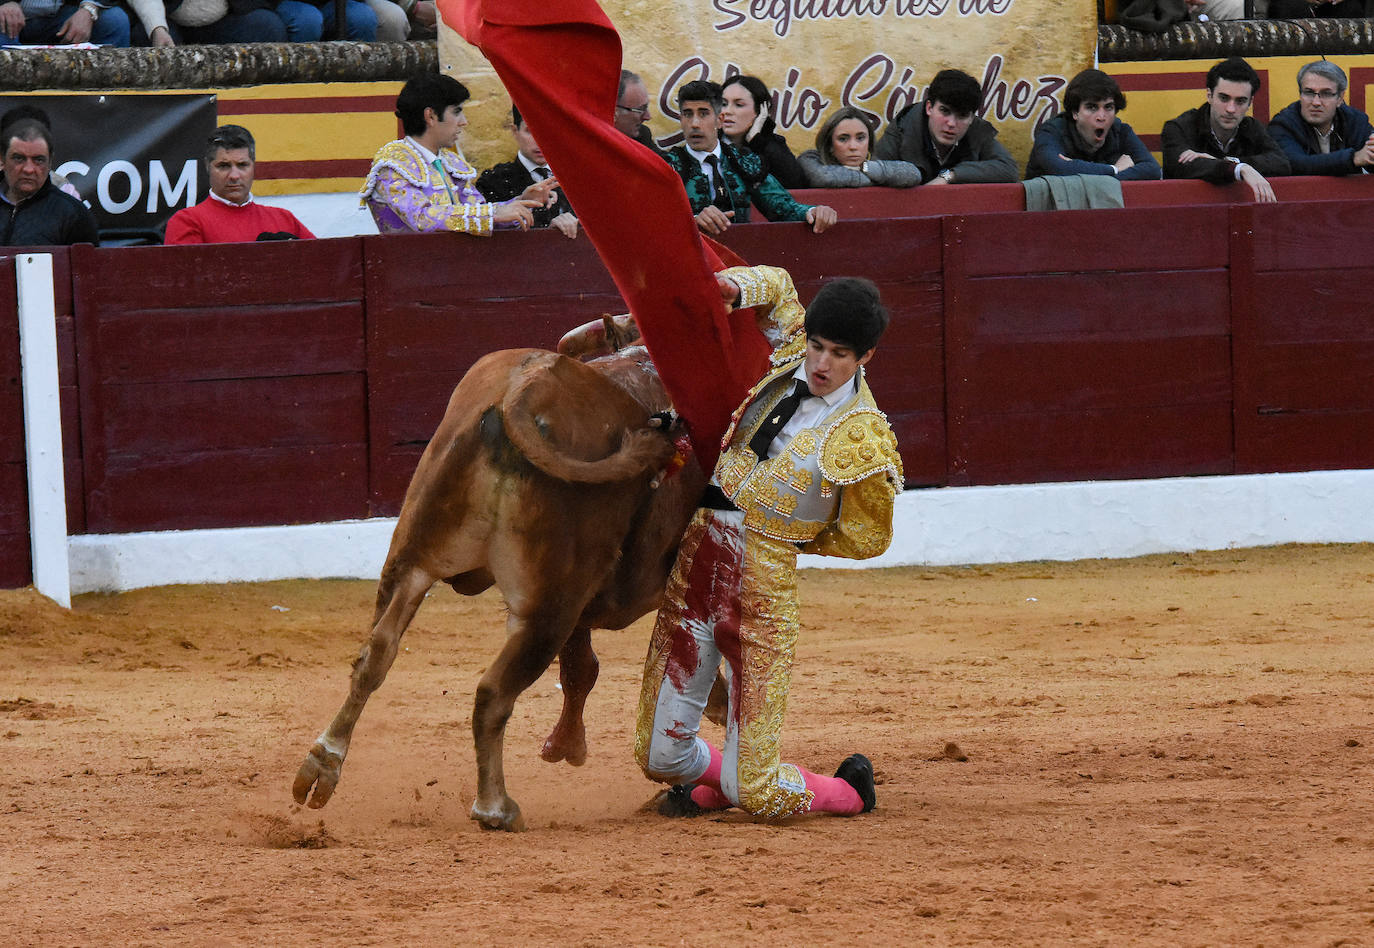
(826, 485)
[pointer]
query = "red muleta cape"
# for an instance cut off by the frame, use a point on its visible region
(560, 62)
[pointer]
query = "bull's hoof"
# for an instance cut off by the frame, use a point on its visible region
(320, 770)
(504, 816)
(560, 746)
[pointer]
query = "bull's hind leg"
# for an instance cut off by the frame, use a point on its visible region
(400, 596)
(531, 644)
(577, 671)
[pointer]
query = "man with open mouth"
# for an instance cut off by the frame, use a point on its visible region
(1089, 138)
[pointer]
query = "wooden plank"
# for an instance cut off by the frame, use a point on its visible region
(1156, 305)
(251, 487)
(392, 468)
(230, 341)
(1037, 446)
(886, 251)
(863, 204)
(504, 266)
(1314, 306)
(1127, 240)
(1094, 374)
(16, 567)
(1245, 426)
(1315, 377)
(1309, 441)
(921, 440)
(1319, 235)
(143, 279)
(14, 513)
(959, 334)
(165, 419)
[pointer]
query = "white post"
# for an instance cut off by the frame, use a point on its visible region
(43, 427)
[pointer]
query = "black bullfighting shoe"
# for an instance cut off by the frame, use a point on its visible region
(678, 802)
(857, 771)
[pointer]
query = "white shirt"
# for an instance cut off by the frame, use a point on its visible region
(701, 157)
(231, 203)
(530, 166)
(425, 153)
(813, 410)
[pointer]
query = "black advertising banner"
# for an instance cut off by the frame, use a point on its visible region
(135, 159)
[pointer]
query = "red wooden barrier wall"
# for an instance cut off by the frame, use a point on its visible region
(276, 383)
(1303, 325)
(221, 385)
(1088, 344)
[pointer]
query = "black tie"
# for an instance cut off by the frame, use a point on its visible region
(781, 414)
(717, 185)
(541, 173)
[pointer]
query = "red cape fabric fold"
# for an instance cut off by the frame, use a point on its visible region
(560, 63)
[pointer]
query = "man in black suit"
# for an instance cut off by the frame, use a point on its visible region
(510, 178)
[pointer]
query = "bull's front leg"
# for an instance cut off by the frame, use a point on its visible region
(577, 671)
(319, 773)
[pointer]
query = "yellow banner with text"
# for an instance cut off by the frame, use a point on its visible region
(819, 55)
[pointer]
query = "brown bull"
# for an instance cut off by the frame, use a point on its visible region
(540, 480)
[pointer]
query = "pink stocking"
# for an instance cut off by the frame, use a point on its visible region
(833, 795)
(706, 794)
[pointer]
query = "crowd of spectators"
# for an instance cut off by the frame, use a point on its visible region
(178, 22)
(732, 161)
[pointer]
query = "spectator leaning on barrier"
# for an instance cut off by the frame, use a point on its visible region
(842, 156)
(1218, 141)
(1319, 133)
(230, 215)
(722, 181)
(55, 23)
(35, 213)
(945, 138)
(1088, 138)
(422, 183)
(632, 110)
(510, 179)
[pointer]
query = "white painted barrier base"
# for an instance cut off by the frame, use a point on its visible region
(939, 527)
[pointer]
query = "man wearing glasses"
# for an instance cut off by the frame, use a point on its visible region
(1319, 133)
(632, 110)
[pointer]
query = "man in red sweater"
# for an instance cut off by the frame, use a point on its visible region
(229, 214)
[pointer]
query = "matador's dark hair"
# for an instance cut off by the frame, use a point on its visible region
(848, 311)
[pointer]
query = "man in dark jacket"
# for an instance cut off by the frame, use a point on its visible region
(510, 179)
(1319, 133)
(1218, 141)
(722, 181)
(33, 213)
(1088, 138)
(945, 138)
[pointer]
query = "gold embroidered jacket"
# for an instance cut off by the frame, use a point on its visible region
(832, 490)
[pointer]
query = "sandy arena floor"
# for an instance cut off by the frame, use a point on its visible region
(1175, 750)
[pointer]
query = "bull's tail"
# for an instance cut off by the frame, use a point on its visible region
(527, 410)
